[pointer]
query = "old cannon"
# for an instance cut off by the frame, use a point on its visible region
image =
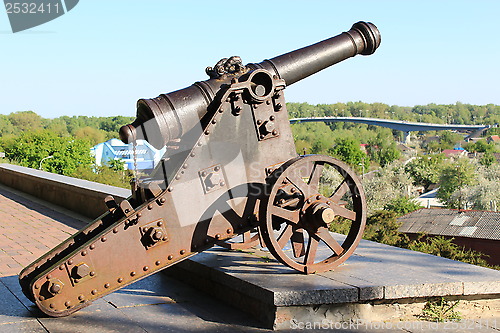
(230, 168)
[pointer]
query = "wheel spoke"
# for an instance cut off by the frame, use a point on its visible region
(292, 220)
(297, 180)
(311, 250)
(344, 212)
(326, 237)
(340, 191)
(289, 215)
(285, 236)
(315, 177)
(298, 243)
(246, 236)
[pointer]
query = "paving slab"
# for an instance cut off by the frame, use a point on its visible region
(375, 274)
(11, 309)
(23, 327)
(161, 304)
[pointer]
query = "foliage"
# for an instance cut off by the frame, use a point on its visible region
(485, 194)
(6, 126)
(388, 184)
(402, 206)
(425, 170)
(481, 146)
(455, 177)
(25, 121)
(116, 164)
(457, 113)
(444, 247)
(349, 151)
(94, 135)
(104, 175)
(29, 148)
(487, 159)
(382, 227)
(440, 310)
(340, 225)
(383, 149)
(96, 129)
(449, 139)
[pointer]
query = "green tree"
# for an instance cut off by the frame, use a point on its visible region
(116, 164)
(388, 184)
(349, 151)
(26, 121)
(481, 146)
(487, 159)
(456, 176)
(425, 170)
(383, 148)
(448, 139)
(29, 148)
(382, 227)
(57, 126)
(402, 206)
(92, 134)
(484, 195)
(6, 127)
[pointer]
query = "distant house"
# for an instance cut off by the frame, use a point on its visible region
(453, 153)
(364, 147)
(408, 151)
(147, 156)
(429, 199)
(476, 230)
(480, 155)
(493, 138)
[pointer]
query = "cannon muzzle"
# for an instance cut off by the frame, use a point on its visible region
(169, 116)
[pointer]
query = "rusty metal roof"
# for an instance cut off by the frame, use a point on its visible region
(452, 222)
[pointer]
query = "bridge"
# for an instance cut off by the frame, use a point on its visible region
(401, 125)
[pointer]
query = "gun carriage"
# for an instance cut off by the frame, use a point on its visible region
(230, 168)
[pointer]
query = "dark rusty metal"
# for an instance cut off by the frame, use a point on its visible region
(169, 116)
(228, 170)
(286, 216)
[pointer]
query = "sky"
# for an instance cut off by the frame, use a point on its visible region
(102, 56)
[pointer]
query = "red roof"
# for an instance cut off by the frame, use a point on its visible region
(495, 138)
(454, 152)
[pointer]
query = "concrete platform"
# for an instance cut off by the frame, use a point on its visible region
(374, 277)
(347, 300)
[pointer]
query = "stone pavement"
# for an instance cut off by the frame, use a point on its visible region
(27, 230)
(158, 303)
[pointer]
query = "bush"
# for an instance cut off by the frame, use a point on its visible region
(402, 206)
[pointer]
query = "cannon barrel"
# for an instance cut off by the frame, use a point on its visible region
(169, 116)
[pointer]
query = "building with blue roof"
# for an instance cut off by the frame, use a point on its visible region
(147, 156)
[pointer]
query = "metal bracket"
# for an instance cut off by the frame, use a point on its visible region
(212, 178)
(80, 271)
(266, 125)
(237, 103)
(153, 233)
(270, 169)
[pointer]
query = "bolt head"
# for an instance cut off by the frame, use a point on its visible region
(213, 179)
(269, 126)
(158, 234)
(55, 287)
(81, 271)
